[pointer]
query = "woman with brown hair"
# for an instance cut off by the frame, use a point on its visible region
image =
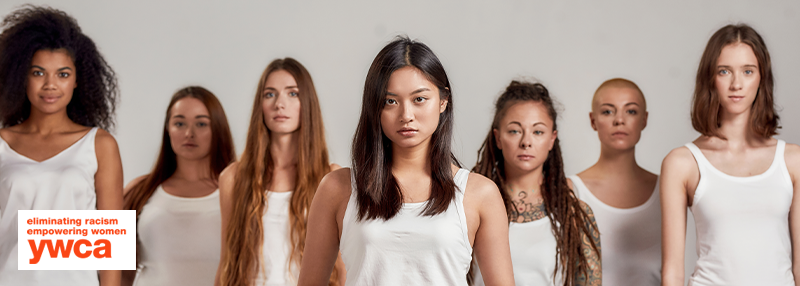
(740, 183)
(553, 236)
(177, 204)
(265, 197)
(406, 213)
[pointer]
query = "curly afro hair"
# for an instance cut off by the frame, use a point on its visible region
(30, 29)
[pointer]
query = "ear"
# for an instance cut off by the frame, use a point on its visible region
(646, 114)
(553, 140)
(591, 119)
(497, 139)
(442, 105)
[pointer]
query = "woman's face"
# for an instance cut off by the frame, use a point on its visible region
(190, 129)
(525, 135)
(737, 78)
(411, 111)
(51, 81)
(281, 103)
(619, 116)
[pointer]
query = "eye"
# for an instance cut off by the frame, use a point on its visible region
(390, 101)
(749, 72)
(723, 72)
(513, 131)
(605, 112)
(202, 124)
(178, 124)
(538, 132)
(294, 93)
(37, 73)
(63, 74)
(632, 112)
(420, 99)
(269, 94)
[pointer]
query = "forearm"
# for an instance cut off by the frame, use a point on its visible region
(110, 277)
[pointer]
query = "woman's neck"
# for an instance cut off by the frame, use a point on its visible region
(283, 149)
(735, 128)
(520, 180)
(412, 160)
(617, 163)
(46, 124)
(193, 170)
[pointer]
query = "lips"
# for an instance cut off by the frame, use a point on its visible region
(736, 98)
(280, 118)
(525, 157)
(189, 145)
(619, 133)
(407, 132)
(50, 98)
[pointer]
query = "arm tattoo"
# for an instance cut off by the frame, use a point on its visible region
(595, 275)
(526, 209)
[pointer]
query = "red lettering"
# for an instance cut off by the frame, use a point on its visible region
(59, 247)
(37, 251)
(102, 249)
(80, 254)
(106, 248)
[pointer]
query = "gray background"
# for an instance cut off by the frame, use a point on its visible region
(157, 47)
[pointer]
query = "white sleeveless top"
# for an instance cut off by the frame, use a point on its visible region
(408, 249)
(631, 238)
(178, 240)
(533, 254)
(743, 225)
(62, 182)
(277, 247)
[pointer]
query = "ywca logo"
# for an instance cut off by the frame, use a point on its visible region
(76, 240)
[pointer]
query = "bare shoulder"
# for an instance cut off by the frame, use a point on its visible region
(792, 157)
(335, 167)
(680, 158)
(227, 178)
(133, 183)
(586, 208)
(105, 143)
(480, 187)
(335, 185)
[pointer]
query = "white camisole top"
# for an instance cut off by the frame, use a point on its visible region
(277, 247)
(178, 240)
(743, 225)
(408, 249)
(62, 182)
(631, 238)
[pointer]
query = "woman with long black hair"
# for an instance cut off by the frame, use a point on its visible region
(406, 213)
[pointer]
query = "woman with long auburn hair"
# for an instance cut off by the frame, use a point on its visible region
(265, 197)
(57, 99)
(406, 213)
(741, 184)
(177, 203)
(553, 236)
(623, 196)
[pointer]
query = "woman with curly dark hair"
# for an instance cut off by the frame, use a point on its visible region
(57, 96)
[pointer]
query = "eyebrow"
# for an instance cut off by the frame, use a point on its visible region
(288, 87)
(746, 66)
(413, 92)
(199, 116)
(520, 124)
(61, 69)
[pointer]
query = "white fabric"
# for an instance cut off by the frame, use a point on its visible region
(743, 225)
(631, 238)
(277, 248)
(533, 254)
(408, 249)
(63, 182)
(179, 240)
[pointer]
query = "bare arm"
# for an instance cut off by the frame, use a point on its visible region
(129, 275)
(792, 158)
(595, 271)
(226, 180)
(324, 219)
(108, 187)
(679, 178)
(490, 246)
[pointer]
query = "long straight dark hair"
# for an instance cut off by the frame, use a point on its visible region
(377, 192)
(568, 220)
(221, 152)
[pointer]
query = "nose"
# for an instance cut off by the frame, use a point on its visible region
(736, 82)
(526, 141)
(407, 113)
(618, 119)
(280, 101)
(190, 132)
(49, 83)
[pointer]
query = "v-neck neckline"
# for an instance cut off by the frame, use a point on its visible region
(51, 157)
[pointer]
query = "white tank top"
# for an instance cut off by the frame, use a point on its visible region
(631, 238)
(743, 225)
(178, 240)
(277, 248)
(533, 254)
(408, 249)
(62, 182)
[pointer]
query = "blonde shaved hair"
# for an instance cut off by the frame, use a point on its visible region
(619, 83)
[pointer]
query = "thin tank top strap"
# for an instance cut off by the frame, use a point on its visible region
(702, 162)
(780, 163)
(461, 177)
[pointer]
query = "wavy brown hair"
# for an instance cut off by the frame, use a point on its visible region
(764, 120)
(377, 192)
(568, 220)
(222, 151)
(245, 233)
